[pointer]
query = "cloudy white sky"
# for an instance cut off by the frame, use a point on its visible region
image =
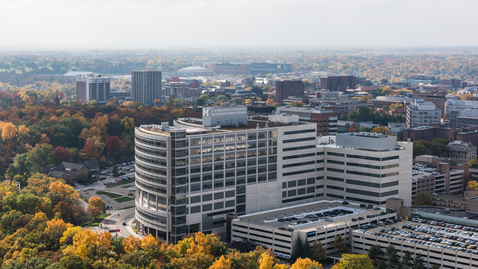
(237, 23)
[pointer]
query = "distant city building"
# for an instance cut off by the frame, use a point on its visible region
(338, 83)
(92, 87)
(467, 117)
(421, 113)
(230, 69)
(270, 68)
(287, 88)
(246, 94)
(326, 119)
(452, 83)
(453, 108)
(194, 71)
(438, 98)
(382, 101)
(146, 86)
(461, 151)
(121, 95)
(193, 83)
(181, 90)
(421, 79)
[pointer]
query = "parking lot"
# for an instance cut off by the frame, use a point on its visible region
(431, 233)
(117, 192)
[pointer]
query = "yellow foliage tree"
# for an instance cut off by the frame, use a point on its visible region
(54, 223)
(68, 191)
(97, 202)
(149, 242)
(305, 263)
(9, 131)
(85, 237)
(222, 263)
(105, 239)
(128, 123)
(69, 233)
(355, 261)
(131, 244)
(380, 130)
(266, 261)
(270, 102)
(472, 185)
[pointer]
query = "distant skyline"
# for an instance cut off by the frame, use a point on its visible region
(160, 24)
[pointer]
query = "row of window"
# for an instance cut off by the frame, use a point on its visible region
(300, 182)
(209, 207)
(301, 191)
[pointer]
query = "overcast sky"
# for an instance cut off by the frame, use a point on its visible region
(238, 23)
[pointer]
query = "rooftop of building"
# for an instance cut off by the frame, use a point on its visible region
(449, 196)
(194, 126)
(270, 218)
(316, 110)
(392, 98)
(460, 143)
(362, 141)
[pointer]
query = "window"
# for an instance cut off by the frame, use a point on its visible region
(298, 140)
(297, 164)
(291, 193)
(195, 209)
(300, 131)
(207, 207)
(218, 195)
(310, 189)
(363, 157)
(334, 187)
(335, 170)
(218, 205)
(207, 197)
(335, 162)
(363, 183)
(195, 199)
(335, 179)
(390, 158)
(298, 148)
(301, 191)
(298, 172)
(298, 156)
(207, 186)
(362, 173)
(241, 199)
(284, 185)
(310, 181)
(230, 203)
(336, 154)
(240, 189)
(230, 194)
(218, 184)
(301, 182)
(251, 180)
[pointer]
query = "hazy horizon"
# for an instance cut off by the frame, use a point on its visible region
(240, 24)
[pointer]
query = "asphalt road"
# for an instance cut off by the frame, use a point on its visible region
(115, 221)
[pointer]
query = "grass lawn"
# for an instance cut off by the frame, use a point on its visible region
(127, 186)
(126, 207)
(123, 199)
(120, 183)
(109, 194)
(96, 223)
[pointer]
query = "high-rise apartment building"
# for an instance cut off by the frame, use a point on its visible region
(338, 83)
(190, 176)
(287, 88)
(146, 86)
(421, 113)
(92, 87)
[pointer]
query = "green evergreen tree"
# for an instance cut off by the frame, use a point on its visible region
(418, 262)
(307, 251)
(392, 256)
(299, 250)
(374, 253)
(319, 253)
(407, 260)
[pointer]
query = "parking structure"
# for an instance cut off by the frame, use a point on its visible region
(450, 245)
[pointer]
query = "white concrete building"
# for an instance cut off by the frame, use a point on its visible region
(421, 113)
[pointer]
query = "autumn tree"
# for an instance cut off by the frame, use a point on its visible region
(270, 102)
(306, 263)
(113, 145)
(319, 252)
(380, 130)
(90, 150)
(97, 202)
(94, 213)
(296, 104)
(61, 154)
(468, 97)
(355, 261)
